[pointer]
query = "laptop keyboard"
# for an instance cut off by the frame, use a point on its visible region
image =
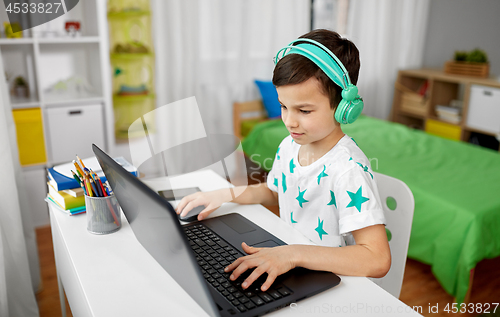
(213, 255)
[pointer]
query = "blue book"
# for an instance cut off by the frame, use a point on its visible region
(60, 176)
(61, 182)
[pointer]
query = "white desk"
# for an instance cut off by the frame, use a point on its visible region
(113, 275)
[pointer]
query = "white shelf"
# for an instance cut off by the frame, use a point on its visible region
(16, 41)
(68, 40)
(67, 99)
(20, 103)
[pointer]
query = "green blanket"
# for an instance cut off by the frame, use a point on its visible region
(456, 188)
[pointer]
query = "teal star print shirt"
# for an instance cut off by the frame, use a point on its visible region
(329, 198)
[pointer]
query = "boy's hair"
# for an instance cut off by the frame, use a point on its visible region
(295, 69)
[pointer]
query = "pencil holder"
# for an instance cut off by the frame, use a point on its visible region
(103, 214)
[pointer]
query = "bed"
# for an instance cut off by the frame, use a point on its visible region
(456, 187)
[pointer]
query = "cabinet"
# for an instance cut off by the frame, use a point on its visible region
(63, 72)
(451, 106)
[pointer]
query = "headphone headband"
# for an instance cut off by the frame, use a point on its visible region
(351, 104)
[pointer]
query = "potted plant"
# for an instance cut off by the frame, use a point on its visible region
(473, 63)
(21, 87)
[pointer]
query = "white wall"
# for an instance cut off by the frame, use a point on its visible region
(463, 25)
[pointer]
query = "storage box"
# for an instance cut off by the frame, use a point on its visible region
(484, 109)
(442, 129)
(467, 69)
(29, 130)
(72, 130)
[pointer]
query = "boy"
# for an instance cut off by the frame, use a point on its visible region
(321, 179)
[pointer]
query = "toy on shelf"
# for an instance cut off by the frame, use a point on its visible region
(72, 28)
(9, 27)
(74, 86)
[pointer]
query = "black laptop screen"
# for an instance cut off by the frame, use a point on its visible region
(155, 224)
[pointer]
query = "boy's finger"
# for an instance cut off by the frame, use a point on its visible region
(204, 213)
(254, 276)
(248, 249)
(181, 205)
(233, 265)
(269, 281)
(187, 208)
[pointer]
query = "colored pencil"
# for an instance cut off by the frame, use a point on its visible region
(78, 169)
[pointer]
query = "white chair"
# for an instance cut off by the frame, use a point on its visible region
(398, 204)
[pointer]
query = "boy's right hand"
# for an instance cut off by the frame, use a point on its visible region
(211, 200)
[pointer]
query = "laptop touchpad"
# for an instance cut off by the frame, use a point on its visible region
(238, 225)
(265, 244)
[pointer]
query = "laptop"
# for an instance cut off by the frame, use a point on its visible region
(195, 254)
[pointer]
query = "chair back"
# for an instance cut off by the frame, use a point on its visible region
(398, 204)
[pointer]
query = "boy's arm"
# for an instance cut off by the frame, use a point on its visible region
(252, 194)
(255, 194)
(370, 257)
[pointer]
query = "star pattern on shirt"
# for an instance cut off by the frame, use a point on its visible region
(291, 218)
(332, 200)
(283, 182)
(319, 229)
(292, 166)
(322, 174)
(276, 182)
(278, 153)
(365, 168)
(301, 198)
(357, 199)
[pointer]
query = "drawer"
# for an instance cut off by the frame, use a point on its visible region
(484, 109)
(71, 131)
(442, 129)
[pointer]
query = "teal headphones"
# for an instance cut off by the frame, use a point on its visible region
(351, 105)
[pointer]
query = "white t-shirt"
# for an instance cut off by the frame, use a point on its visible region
(329, 198)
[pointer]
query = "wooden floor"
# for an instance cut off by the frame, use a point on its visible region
(420, 288)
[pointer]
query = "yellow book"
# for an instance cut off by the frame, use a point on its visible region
(65, 200)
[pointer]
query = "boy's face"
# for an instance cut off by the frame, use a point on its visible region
(306, 112)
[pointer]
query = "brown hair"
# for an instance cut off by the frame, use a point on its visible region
(295, 69)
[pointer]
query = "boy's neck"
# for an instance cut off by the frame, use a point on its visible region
(310, 153)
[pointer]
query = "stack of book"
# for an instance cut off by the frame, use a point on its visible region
(450, 114)
(64, 191)
(71, 201)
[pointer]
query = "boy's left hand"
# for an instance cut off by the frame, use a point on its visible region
(273, 261)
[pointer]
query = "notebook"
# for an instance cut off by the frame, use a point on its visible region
(195, 254)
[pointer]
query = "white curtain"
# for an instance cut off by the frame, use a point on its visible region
(214, 49)
(19, 266)
(390, 35)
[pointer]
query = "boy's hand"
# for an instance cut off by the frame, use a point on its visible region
(211, 200)
(273, 261)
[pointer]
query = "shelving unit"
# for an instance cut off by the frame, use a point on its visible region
(418, 93)
(45, 56)
(132, 62)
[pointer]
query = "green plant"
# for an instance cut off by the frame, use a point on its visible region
(460, 56)
(477, 56)
(20, 82)
(474, 56)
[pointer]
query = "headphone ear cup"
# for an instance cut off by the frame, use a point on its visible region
(348, 111)
(340, 112)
